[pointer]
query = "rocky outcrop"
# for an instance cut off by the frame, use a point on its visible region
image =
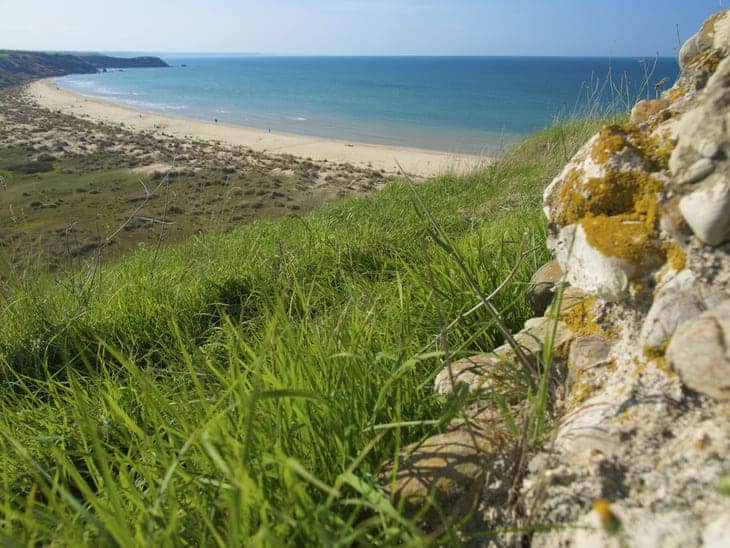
(17, 67)
(638, 336)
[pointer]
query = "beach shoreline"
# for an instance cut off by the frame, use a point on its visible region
(389, 159)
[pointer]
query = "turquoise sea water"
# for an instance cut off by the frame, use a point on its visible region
(466, 104)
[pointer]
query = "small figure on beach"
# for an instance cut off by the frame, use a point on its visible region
(215, 120)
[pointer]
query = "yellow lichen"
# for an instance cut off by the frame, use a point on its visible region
(677, 92)
(654, 352)
(580, 318)
(610, 141)
(676, 257)
(654, 150)
(656, 355)
(615, 193)
(708, 60)
(624, 417)
(609, 521)
(624, 237)
(639, 368)
(580, 392)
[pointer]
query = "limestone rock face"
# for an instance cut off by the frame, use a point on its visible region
(700, 352)
(640, 220)
(639, 224)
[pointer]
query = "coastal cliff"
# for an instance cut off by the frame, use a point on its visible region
(17, 67)
(632, 352)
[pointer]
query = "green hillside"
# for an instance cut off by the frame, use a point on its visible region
(244, 388)
(17, 67)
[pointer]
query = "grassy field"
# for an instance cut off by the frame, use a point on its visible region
(75, 192)
(245, 388)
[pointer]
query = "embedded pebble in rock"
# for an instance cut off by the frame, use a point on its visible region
(450, 467)
(700, 353)
(709, 149)
(586, 353)
(538, 330)
(473, 372)
(541, 290)
(697, 171)
(707, 212)
(571, 297)
(671, 307)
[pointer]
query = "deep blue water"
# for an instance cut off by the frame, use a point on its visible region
(464, 104)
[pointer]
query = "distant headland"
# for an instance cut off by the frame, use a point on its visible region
(17, 67)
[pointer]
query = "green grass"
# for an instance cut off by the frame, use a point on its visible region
(244, 388)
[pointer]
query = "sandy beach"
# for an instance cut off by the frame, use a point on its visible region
(418, 162)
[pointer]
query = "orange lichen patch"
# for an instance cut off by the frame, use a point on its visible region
(676, 257)
(639, 368)
(580, 318)
(659, 119)
(624, 417)
(618, 212)
(609, 521)
(656, 150)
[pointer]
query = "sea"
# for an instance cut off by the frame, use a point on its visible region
(456, 104)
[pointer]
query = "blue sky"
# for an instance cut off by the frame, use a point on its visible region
(351, 27)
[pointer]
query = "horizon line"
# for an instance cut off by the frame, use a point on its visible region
(655, 55)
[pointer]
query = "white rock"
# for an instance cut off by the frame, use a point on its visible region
(689, 51)
(700, 354)
(670, 308)
(709, 149)
(473, 371)
(586, 354)
(587, 268)
(722, 32)
(707, 211)
(717, 533)
(697, 171)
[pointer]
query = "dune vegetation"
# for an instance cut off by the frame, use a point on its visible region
(244, 388)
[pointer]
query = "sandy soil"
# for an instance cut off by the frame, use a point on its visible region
(419, 162)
